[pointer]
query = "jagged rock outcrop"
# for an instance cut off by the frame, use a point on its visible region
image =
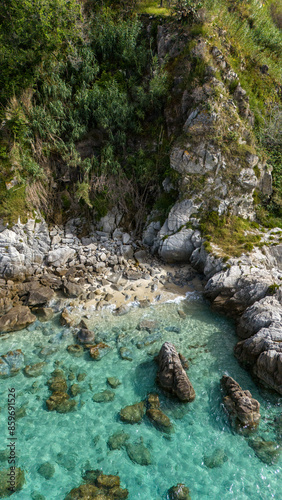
(242, 408)
(17, 318)
(171, 375)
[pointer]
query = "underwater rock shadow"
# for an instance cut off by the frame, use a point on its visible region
(145, 378)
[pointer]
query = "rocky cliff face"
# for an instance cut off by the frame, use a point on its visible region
(214, 150)
(214, 153)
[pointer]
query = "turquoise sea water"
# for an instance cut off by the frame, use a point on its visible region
(200, 427)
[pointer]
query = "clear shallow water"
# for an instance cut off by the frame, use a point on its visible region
(200, 427)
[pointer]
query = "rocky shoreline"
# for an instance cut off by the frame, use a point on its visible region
(41, 268)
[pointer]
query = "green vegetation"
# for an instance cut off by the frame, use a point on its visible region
(83, 98)
(231, 235)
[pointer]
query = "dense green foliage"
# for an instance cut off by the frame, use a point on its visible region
(69, 79)
(82, 123)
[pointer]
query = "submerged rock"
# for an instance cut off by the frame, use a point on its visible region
(59, 400)
(86, 336)
(267, 451)
(5, 475)
(138, 453)
(113, 382)
(46, 470)
(243, 410)
(11, 363)
(34, 370)
(133, 414)
(104, 396)
(156, 415)
(147, 324)
(98, 485)
(65, 461)
(171, 375)
(118, 440)
(17, 318)
(76, 350)
(98, 351)
(216, 459)
(179, 492)
(126, 353)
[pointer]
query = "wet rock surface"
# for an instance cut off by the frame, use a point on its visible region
(171, 375)
(59, 400)
(100, 486)
(133, 414)
(179, 492)
(17, 318)
(241, 407)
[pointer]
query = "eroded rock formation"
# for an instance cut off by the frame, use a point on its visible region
(171, 374)
(242, 408)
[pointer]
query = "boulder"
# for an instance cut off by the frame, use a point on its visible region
(75, 350)
(267, 451)
(171, 374)
(179, 492)
(113, 382)
(133, 414)
(34, 370)
(138, 453)
(104, 396)
(98, 351)
(17, 318)
(242, 409)
(216, 459)
(5, 476)
(263, 354)
(85, 336)
(39, 295)
(46, 470)
(11, 363)
(117, 440)
(155, 414)
(60, 256)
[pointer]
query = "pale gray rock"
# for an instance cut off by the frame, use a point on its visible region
(260, 315)
(60, 256)
(178, 247)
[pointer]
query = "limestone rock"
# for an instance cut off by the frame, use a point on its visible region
(243, 410)
(171, 375)
(17, 318)
(263, 354)
(177, 247)
(60, 256)
(156, 415)
(260, 315)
